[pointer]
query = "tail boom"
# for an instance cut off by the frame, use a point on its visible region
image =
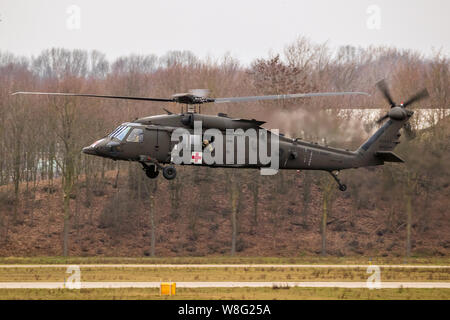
(378, 149)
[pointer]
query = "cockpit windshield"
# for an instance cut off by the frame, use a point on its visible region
(115, 130)
(120, 132)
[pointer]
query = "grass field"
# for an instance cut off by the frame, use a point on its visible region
(226, 260)
(229, 293)
(276, 274)
(25, 274)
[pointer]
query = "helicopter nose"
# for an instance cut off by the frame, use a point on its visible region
(89, 150)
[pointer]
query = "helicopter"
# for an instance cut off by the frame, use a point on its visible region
(150, 140)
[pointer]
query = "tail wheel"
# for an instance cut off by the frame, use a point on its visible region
(169, 173)
(152, 172)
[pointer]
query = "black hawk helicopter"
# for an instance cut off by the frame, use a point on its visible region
(148, 140)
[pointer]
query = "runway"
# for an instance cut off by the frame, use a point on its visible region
(365, 266)
(115, 285)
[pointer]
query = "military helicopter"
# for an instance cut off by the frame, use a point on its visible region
(148, 140)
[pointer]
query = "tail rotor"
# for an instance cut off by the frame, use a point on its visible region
(399, 111)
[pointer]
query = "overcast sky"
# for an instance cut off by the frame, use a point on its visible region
(245, 29)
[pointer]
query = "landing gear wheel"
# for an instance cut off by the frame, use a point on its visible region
(151, 172)
(342, 187)
(169, 172)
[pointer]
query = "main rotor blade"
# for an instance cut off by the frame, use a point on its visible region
(382, 86)
(286, 96)
(418, 96)
(189, 99)
(94, 96)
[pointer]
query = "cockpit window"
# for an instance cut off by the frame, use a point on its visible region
(137, 135)
(115, 131)
(122, 133)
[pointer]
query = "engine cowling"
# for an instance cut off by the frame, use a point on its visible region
(223, 123)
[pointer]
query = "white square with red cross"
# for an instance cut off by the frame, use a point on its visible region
(196, 157)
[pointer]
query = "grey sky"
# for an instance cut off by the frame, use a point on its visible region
(245, 29)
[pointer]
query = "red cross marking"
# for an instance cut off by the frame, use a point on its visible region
(196, 157)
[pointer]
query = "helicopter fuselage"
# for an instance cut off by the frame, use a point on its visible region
(148, 140)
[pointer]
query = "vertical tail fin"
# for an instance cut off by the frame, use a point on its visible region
(378, 148)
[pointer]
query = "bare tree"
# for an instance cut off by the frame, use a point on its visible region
(151, 187)
(328, 192)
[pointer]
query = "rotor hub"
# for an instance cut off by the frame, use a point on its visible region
(189, 98)
(397, 113)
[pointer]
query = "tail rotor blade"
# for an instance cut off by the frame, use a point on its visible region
(417, 97)
(382, 119)
(384, 89)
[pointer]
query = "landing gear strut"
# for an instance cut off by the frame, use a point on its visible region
(342, 186)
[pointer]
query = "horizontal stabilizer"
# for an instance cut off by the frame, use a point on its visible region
(388, 156)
